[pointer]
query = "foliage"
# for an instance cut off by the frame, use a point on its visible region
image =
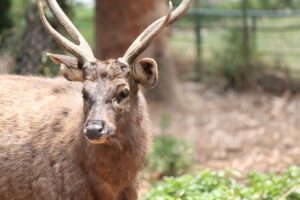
(169, 157)
(231, 60)
(83, 19)
(253, 4)
(5, 19)
(274, 4)
(209, 185)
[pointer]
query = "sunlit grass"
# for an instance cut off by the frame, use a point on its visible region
(84, 21)
(18, 11)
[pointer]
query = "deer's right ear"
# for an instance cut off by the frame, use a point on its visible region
(69, 66)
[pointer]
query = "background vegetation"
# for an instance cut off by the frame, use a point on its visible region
(208, 185)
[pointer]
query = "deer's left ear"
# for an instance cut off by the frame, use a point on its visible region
(145, 72)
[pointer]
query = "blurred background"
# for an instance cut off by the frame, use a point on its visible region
(229, 72)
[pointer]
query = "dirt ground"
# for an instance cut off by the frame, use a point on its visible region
(246, 131)
(6, 61)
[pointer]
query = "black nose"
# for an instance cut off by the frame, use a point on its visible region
(95, 129)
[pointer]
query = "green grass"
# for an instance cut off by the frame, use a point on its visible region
(17, 12)
(84, 21)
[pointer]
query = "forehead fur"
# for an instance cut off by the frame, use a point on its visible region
(112, 69)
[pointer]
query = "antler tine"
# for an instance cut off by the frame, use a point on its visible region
(145, 38)
(180, 11)
(78, 51)
(68, 25)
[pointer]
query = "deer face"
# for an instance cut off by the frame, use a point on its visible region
(106, 96)
(109, 87)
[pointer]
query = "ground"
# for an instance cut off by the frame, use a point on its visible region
(246, 131)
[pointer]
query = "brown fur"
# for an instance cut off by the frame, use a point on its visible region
(43, 153)
(71, 140)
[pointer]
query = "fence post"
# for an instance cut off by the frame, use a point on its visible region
(198, 29)
(245, 47)
(254, 30)
(198, 32)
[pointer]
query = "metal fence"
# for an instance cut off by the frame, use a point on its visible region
(275, 35)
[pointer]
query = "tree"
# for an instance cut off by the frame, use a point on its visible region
(5, 20)
(6, 23)
(119, 22)
(35, 40)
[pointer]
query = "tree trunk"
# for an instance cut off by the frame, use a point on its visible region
(119, 22)
(34, 41)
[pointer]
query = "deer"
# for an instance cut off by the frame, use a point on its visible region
(84, 135)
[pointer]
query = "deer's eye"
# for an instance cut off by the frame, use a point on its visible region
(122, 95)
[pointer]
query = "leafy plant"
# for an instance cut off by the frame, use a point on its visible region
(169, 157)
(209, 185)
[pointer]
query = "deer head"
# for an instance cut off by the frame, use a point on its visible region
(110, 87)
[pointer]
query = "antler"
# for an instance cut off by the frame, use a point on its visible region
(145, 38)
(81, 50)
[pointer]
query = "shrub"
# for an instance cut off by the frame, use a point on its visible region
(208, 185)
(169, 157)
(231, 62)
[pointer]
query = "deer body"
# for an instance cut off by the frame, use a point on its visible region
(44, 154)
(85, 138)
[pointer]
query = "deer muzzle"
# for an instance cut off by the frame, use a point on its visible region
(97, 130)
